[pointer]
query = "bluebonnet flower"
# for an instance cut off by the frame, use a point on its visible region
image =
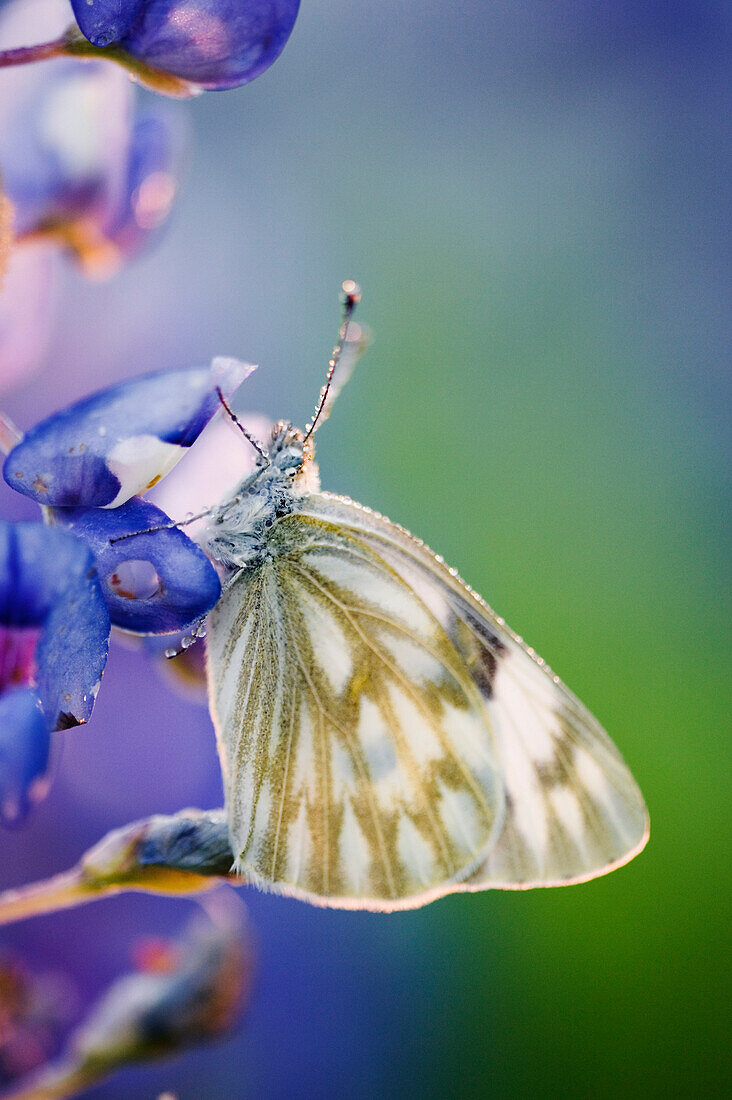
(54, 639)
(212, 44)
(86, 466)
(177, 47)
(61, 586)
(81, 164)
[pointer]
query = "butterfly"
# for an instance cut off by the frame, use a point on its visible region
(384, 737)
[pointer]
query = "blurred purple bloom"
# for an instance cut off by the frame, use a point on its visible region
(150, 184)
(6, 235)
(80, 164)
(88, 464)
(199, 995)
(191, 991)
(211, 44)
(54, 639)
(33, 1009)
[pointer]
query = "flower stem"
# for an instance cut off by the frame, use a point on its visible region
(25, 55)
(73, 44)
(60, 892)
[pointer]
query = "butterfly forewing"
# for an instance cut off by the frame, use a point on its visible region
(358, 764)
(572, 808)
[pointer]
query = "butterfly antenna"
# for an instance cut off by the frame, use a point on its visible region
(350, 297)
(191, 518)
(247, 435)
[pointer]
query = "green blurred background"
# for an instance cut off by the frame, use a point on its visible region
(533, 198)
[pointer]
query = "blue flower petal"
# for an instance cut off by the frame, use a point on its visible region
(120, 441)
(104, 21)
(24, 745)
(72, 653)
(48, 579)
(158, 582)
(213, 44)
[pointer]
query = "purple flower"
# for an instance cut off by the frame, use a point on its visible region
(80, 163)
(34, 1007)
(190, 991)
(211, 44)
(54, 639)
(87, 465)
(62, 585)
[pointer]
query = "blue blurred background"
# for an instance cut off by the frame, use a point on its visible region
(534, 198)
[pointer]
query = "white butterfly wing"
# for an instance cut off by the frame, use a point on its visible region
(386, 739)
(359, 769)
(572, 808)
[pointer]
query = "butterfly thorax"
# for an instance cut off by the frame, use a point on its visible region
(238, 531)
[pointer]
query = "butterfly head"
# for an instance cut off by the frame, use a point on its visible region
(291, 454)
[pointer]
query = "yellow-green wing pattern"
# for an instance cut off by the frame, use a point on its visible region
(572, 809)
(359, 767)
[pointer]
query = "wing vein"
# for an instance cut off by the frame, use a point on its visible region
(285, 779)
(356, 754)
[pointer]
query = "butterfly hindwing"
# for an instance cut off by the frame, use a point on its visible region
(572, 808)
(359, 770)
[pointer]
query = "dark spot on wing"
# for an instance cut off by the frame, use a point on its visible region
(483, 630)
(484, 670)
(555, 773)
(479, 646)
